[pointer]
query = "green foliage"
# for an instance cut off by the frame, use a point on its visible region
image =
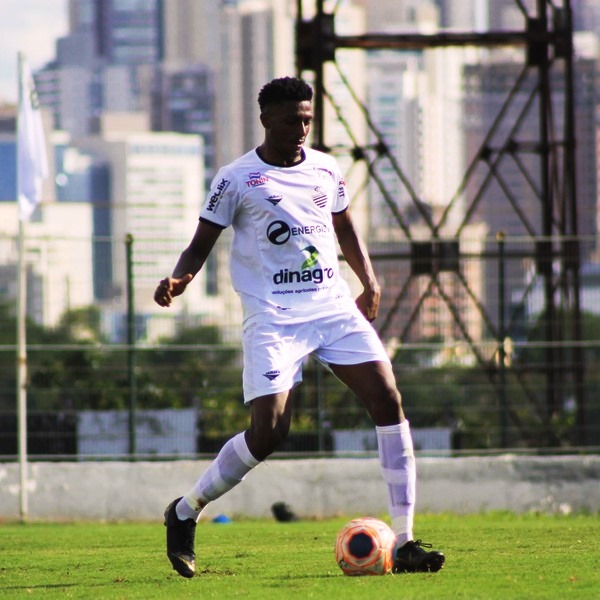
(562, 417)
(195, 368)
(489, 556)
(193, 364)
(72, 367)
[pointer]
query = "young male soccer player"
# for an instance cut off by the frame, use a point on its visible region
(287, 205)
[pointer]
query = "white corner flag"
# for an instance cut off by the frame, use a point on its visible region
(32, 162)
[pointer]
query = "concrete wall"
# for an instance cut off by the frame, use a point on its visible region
(312, 488)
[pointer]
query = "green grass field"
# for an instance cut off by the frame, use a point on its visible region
(497, 555)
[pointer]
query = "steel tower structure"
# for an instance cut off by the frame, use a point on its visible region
(547, 40)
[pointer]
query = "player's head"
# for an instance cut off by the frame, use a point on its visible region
(284, 89)
(286, 114)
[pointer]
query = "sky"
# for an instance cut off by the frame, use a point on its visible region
(32, 27)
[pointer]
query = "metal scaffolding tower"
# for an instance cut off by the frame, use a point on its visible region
(547, 40)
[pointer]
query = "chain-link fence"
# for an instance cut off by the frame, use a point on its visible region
(495, 344)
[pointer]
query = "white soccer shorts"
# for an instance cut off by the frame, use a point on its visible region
(274, 354)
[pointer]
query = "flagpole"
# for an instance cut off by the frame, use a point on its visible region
(21, 339)
(32, 169)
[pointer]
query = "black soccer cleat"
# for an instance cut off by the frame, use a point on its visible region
(411, 558)
(180, 541)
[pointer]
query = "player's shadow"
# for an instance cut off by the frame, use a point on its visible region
(40, 586)
(303, 576)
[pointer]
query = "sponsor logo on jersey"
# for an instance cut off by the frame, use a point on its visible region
(319, 197)
(274, 199)
(256, 179)
(313, 257)
(342, 188)
(317, 276)
(217, 196)
(279, 232)
(306, 274)
(272, 375)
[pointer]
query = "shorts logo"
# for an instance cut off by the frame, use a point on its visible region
(313, 257)
(319, 197)
(256, 179)
(274, 199)
(278, 232)
(272, 375)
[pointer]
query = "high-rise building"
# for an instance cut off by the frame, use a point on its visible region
(511, 203)
(106, 62)
(8, 155)
(396, 84)
(191, 32)
(156, 180)
(80, 177)
(586, 16)
(57, 259)
(487, 86)
(256, 45)
(123, 56)
(128, 32)
(183, 100)
(416, 102)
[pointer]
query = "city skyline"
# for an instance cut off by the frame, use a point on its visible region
(31, 27)
(429, 101)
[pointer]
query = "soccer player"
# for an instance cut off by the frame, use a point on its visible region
(287, 205)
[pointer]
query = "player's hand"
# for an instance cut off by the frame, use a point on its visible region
(169, 287)
(368, 303)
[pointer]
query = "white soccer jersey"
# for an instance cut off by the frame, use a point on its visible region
(284, 263)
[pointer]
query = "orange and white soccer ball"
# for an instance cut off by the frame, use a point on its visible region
(365, 546)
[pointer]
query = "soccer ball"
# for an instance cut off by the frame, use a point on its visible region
(365, 546)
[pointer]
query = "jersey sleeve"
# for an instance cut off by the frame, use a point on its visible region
(341, 199)
(221, 200)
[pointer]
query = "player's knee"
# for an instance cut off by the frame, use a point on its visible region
(279, 431)
(388, 395)
(265, 437)
(385, 406)
(385, 391)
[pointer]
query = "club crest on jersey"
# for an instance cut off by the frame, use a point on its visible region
(274, 199)
(256, 179)
(319, 197)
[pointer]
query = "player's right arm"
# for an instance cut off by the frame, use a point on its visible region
(190, 262)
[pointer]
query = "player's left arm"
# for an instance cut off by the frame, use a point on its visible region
(356, 255)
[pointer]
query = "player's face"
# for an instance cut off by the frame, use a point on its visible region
(286, 127)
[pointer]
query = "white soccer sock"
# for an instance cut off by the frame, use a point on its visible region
(228, 469)
(397, 459)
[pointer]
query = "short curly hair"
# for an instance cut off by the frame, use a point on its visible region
(284, 89)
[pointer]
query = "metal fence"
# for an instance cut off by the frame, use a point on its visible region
(488, 356)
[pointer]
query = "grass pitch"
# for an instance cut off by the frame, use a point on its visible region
(496, 555)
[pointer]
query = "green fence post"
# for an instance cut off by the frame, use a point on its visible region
(502, 340)
(131, 354)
